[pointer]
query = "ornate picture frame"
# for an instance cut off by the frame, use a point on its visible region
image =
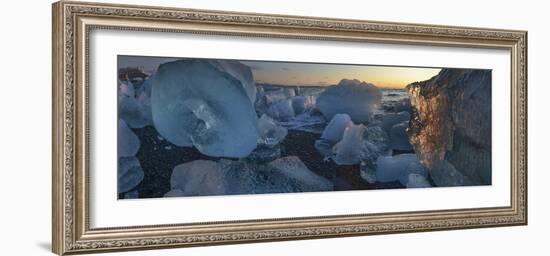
(72, 25)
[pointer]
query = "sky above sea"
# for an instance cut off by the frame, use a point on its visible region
(312, 74)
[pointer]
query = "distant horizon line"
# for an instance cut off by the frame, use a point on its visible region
(327, 85)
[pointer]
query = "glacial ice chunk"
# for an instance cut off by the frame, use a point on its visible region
(270, 134)
(130, 174)
(134, 104)
(398, 168)
(143, 91)
(277, 102)
(452, 122)
(400, 138)
(281, 110)
(293, 168)
(126, 89)
(416, 180)
(267, 97)
(371, 152)
(308, 121)
(347, 143)
(336, 127)
(352, 97)
(199, 177)
(367, 172)
(196, 104)
(333, 133)
(397, 105)
(301, 104)
(378, 138)
(350, 149)
(282, 175)
(128, 142)
(444, 174)
(241, 72)
(403, 105)
(132, 194)
(391, 119)
(174, 193)
(263, 154)
(324, 147)
(280, 94)
(227, 177)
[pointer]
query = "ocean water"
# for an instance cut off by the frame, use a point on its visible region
(393, 95)
(393, 100)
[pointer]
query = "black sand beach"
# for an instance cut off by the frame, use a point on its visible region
(158, 157)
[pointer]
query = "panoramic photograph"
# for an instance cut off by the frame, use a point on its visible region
(207, 127)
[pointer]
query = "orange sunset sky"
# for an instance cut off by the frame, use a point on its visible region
(293, 73)
(296, 73)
